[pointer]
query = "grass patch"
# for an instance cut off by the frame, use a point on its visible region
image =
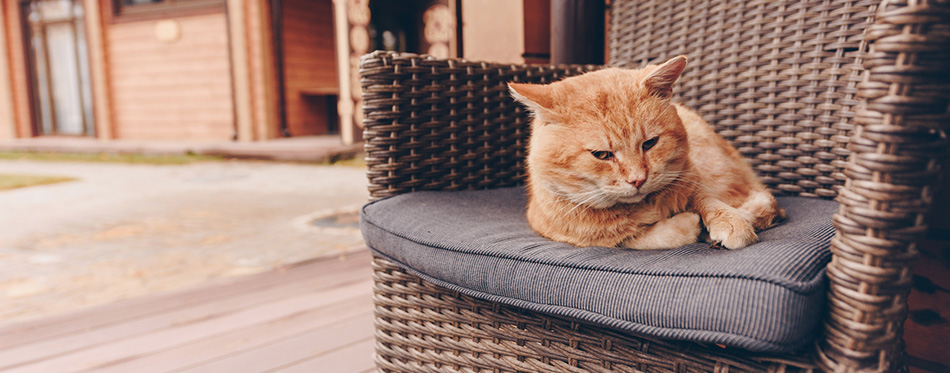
(357, 160)
(109, 157)
(23, 181)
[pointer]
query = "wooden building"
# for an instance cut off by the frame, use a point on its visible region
(131, 69)
(221, 70)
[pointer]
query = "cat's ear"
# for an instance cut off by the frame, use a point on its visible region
(660, 81)
(536, 97)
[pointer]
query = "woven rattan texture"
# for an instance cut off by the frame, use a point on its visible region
(776, 78)
(445, 125)
(422, 327)
(820, 108)
(892, 172)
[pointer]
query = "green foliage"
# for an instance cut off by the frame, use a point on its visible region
(357, 160)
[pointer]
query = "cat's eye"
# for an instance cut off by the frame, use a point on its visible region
(650, 143)
(602, 154)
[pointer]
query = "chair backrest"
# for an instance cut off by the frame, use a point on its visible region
(433, 124)
(777, 79)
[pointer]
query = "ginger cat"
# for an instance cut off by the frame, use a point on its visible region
(611, 162)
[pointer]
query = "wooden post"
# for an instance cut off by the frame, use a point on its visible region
(263, 85)
(345, 104)
(577, 31)
(7, 123)
(97, 65)
(240, 79)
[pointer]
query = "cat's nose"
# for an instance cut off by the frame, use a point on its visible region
(637, 182)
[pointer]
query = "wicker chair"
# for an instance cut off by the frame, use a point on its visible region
(827, 99)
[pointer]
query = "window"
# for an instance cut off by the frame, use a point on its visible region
(128, 7)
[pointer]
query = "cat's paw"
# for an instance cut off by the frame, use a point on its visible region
(731, 230)
(763, 210)
(681, 229)
(687, 226)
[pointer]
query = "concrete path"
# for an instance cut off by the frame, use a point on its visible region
(301, 148)
(126, 230)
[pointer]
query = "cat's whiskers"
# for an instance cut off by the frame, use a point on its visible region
(584, 203)
(574, 200)
(671, 184)
(585, 197)
(682, 180)
(668, 178)
(578, 199)
(672, 189)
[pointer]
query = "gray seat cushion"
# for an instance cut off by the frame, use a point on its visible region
(766, 297)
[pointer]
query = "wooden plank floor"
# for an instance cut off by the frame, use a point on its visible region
(312, 317)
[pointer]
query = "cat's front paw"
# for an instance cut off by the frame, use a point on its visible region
(681, 229)
(687, 226)
(731, 230)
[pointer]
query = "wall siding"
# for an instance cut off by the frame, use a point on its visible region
(19, 78)
(493, 30)
(178, 90)
(309, 62)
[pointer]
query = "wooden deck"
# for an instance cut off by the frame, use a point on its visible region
(313, 317)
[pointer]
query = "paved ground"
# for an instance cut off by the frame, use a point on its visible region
(126, 230)
(298, 148)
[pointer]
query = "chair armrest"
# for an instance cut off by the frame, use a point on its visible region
(432, 124)
(896, 149)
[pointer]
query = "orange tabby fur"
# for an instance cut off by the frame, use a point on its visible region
(638, 196)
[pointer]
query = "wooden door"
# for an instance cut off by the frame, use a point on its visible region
(59, 64)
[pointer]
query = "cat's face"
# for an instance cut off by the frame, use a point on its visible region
(606, 137)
